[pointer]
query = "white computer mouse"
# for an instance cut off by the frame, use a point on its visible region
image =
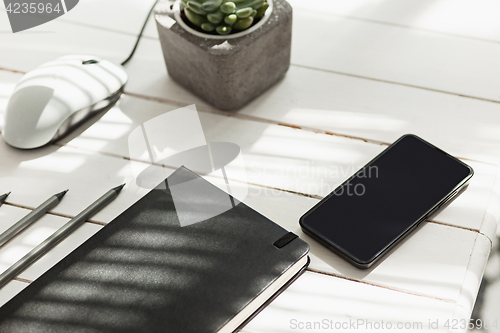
(50, 100)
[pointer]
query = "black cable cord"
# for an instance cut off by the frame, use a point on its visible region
(140, 35)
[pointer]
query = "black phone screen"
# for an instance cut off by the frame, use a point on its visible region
(385, 199)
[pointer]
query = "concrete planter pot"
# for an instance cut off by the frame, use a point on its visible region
(227, 71)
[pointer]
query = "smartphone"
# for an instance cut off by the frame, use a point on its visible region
(383, 202)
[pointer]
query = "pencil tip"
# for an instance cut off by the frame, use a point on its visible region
(60, 195)
(3, 197)
(119, 188)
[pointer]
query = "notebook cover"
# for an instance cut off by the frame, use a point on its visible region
(144, 272)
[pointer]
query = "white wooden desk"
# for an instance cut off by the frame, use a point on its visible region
(363, 73)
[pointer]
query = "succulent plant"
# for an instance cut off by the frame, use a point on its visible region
(224, 16)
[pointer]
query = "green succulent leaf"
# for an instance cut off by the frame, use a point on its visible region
(223, 16)
(208, 27)
(196, 8)
(244, 12)
(223, 30)
(196, 19)
(255, 4)
(228, 7)
(262, 10)
(243, 23)
(211, 5)
(216, 17)
(230, 19)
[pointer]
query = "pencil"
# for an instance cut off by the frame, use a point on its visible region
(29, 219)
(3, 197)
(59, 235)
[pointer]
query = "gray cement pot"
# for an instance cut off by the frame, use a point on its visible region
(227, 71)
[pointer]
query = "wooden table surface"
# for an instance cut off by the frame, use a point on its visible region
(363, 73)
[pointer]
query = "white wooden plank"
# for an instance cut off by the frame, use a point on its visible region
(103, 167)
(491, 221)
(8, 82)
(380, 111)
(360, 108)
(478, 194)
(368, 49)
(36, 234)
(34, 175)
(127, 15)
(55, 39)
(281, 171)
(333, 313)
(434, 261)
(478, 19)
(435, 269)
(317, 298)
(217, 128)
(438, 256)
(473, 277)
(432, 269)
(463, 127)
(306, 98)
(412, 273)
(367, 120)
(473, 19)
(351, 106)
(10, 290)
(419, 58)
(282, 157)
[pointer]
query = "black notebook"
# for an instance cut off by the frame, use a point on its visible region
(187, 257)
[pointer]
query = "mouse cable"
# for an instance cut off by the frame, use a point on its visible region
(140, 35)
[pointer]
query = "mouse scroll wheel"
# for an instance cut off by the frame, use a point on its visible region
(89, 62)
